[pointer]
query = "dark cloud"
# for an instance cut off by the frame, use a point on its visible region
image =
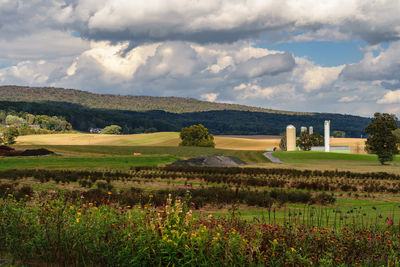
(267, 65)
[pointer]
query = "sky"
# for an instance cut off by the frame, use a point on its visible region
(340, 56)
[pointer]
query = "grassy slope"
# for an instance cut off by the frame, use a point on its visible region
(58, 162)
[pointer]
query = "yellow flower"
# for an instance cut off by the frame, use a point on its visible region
(293, 249)
(109, 193)
(150, 195)
(90, 204)
(79, 213)
(77, 220)
(275, 241)
(10, 195)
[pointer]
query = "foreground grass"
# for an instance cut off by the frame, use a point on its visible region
(174, 151)
(60, 162)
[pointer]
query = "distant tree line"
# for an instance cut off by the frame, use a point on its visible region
(217, 122)
(27, 123)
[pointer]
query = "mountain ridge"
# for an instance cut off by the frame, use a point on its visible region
(172, 104)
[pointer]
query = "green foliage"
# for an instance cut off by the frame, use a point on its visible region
(382, 141)
(9, 135)
(112, 129)
(282, 143)
(22, 120)
(397, 134)
(304, 141)
(196, 135)
(317, 139)
(15, 120)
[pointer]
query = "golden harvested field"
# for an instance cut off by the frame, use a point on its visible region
(168, 139)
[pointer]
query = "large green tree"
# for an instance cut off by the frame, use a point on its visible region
(381, 140)
(196, 135)
(9, 136)
(305, 141)
(112, 129)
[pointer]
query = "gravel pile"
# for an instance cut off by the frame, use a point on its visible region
(210, 161)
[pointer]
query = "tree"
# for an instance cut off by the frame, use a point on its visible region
(282, 143)
(317, 139)
(9, 135)
(381, 140)
(305, 141)
(196, 135)
(112, 129)
(397, 134)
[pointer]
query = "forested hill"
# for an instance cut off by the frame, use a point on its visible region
(217, 121)
(121, 102)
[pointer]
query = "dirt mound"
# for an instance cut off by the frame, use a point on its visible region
(210, 161)
(7, 151)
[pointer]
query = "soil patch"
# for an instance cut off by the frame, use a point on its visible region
(211, 161)
(7, 151)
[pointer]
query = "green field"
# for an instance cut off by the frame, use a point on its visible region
(332, 161)
(174, 151)
(306, 156)
(78, 162)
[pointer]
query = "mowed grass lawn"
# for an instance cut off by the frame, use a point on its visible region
(332, 161)
(78, 162)
(250, 156)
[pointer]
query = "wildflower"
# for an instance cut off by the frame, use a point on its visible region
(275, 241)
(293, 249)
(389, 223)
(10, 195)
(150, 196)
(90, 204)
(109, 193)
(77, 220)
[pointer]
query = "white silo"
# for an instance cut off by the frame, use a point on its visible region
(290, 138)
(303, 129)
(327, 135)
(310, 130)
